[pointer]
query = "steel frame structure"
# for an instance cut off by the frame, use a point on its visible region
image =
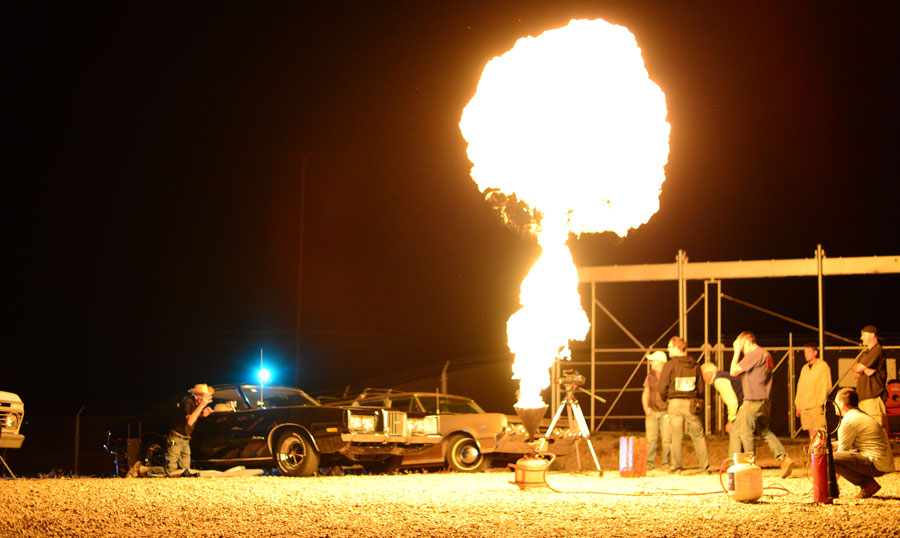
(712, 274)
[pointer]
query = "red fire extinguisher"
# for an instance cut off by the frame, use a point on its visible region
(818, 465)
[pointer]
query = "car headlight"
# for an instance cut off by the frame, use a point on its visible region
(422, 426)
(431, 425)
(11, 421)
(362, 423)
(416, 426)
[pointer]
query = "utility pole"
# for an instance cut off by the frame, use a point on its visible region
(298, 337)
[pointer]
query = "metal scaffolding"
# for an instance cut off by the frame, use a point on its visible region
(711, 274)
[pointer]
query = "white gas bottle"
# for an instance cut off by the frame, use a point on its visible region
(745, 478)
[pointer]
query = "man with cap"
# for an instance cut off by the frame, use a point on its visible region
(870, 372)
(754, 365)
(679, 384)
(656, 419)
(812, 390)
(729, 389)
(193, 406)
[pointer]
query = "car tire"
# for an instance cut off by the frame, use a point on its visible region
(154, 453)
(295, 454)
(464, 455)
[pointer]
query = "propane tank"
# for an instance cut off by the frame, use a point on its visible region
(530, 469)
(744, 478)
(818, 464)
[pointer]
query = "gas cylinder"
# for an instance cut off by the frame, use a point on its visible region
(818, 465)
(530, 469)
(744, 478)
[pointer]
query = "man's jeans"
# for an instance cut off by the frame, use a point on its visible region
(855, 467)
(753, 417)
(178, 453)
(679, 410)
(657, 424)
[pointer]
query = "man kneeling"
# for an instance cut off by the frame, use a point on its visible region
(862, 449)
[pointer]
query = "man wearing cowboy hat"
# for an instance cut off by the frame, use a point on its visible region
(193, 406)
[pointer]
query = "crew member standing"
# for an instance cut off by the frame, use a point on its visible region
(679, 383)
(656, 420)
(812, 390)
(755, 369)
(871, 374)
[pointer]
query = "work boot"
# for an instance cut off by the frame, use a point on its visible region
(786, 465)
(867, 491)
(134, 472)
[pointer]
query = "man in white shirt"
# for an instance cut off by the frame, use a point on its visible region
(862, 449)
(812, 391)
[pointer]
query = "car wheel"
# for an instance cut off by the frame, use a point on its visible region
(464, 455)
(295, 454)
(154, 453)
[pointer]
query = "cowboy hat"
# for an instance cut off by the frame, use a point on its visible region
(202, 388)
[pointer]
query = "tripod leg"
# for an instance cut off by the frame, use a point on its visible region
(543, 442)
(584, 432)
(7, 468)
(572, 420)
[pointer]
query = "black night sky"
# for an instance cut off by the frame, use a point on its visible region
(154, 159)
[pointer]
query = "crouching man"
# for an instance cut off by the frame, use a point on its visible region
(862, 449)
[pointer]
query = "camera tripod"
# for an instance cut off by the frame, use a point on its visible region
(576, 421)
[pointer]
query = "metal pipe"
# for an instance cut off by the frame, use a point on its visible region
(77, 437)
(820, 257)
(781, 316)
(792, 421)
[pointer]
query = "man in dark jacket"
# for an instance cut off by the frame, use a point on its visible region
(679, 384)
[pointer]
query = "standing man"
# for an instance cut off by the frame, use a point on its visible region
(656, 420)
(755, 371)
(812, 390)
(679, 383)
(871, 374)
(193, 406)
(729, 388)
(862, 449)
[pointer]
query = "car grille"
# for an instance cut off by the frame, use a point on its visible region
(395, 423)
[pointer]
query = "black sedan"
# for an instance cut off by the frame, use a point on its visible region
(280, 427)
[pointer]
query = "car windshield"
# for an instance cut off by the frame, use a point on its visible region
(228, 399)
(444, 405)
(276, 396)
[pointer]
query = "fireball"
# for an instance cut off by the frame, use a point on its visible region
(571, 124)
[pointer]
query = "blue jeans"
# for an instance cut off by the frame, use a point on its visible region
(657, 424)
(679, 410)
(752, 418)
(178, 453)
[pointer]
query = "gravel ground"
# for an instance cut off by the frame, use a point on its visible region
(436, 504)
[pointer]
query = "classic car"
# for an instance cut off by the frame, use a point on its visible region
(471, 439)
(276, 427)
(12, 413)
